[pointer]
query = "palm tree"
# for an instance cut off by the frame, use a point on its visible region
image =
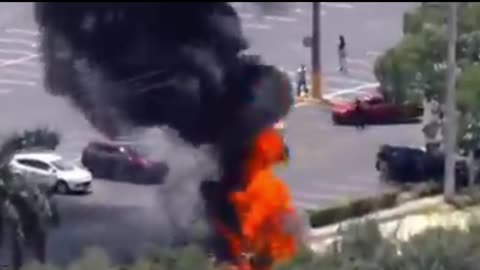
(26, 210)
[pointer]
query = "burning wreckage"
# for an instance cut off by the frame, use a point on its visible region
(179, 65)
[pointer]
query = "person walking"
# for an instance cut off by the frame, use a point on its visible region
(302, 80)
(360, 114)
(342, 54)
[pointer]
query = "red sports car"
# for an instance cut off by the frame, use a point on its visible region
(377, 110)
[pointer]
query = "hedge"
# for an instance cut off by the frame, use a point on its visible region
(361, 207)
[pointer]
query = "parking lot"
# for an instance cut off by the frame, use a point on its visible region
(329, 163)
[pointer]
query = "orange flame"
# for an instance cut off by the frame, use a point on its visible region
(262, 208)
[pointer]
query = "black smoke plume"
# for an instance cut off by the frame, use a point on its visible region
(132, 65)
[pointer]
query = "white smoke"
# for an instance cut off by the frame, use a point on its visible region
(188, 166)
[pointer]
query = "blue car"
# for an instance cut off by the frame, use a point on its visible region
(402, 164)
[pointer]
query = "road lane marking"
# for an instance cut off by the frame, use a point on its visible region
(18, 60)
(337, 5)
(15, 82)
(19, 41)
(280, 19)
(257, 26)
(350, 90)
(22, 31)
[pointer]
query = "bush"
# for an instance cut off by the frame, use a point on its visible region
(353, 209)
(361, 246)
(361, 207)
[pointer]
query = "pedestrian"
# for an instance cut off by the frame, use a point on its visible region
(302, 80)
(360, 114)
(342, 54)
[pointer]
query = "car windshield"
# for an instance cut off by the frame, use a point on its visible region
(62, 165)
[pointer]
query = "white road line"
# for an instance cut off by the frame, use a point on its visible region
(13, 71)
(281, 19)
(337, 5)
(18, 60)
(258, 26)
(22, 31)
(19, 41)
(15, 82)
(24, 52)
(350, 90)
(299, 10)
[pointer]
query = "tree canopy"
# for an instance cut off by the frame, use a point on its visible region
(416, 66)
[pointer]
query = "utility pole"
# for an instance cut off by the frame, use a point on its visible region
(451, 111)
(316, 53)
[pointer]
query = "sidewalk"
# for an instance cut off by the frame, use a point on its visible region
(403, 222)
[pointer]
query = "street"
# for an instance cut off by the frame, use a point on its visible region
(329, 163)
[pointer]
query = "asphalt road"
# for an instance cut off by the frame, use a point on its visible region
(329, 163)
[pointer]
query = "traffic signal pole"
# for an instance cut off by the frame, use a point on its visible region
(316, 53)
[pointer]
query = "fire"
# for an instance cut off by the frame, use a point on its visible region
(262, 208)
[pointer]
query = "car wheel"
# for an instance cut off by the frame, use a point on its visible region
(61, 187)
(384, 171)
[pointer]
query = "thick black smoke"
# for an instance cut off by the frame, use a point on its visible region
(133, 64)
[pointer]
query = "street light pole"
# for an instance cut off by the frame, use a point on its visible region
(316, 52)
(451, 111)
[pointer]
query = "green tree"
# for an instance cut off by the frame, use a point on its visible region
(413, 67)
(468, 96)
(25, 208)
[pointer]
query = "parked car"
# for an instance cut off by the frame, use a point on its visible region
(121, 162)
(377, 111)
(412, 165)
(52, 171)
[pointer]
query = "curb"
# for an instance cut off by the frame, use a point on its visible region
(408, 208)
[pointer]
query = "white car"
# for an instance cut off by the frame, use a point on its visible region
(50, 170)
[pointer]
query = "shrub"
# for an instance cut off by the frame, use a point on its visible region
(360, 247)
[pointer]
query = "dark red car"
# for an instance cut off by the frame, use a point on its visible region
(377, 111)
(121, 162)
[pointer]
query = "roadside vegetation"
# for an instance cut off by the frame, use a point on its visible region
(361, 247)
(415, 68)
